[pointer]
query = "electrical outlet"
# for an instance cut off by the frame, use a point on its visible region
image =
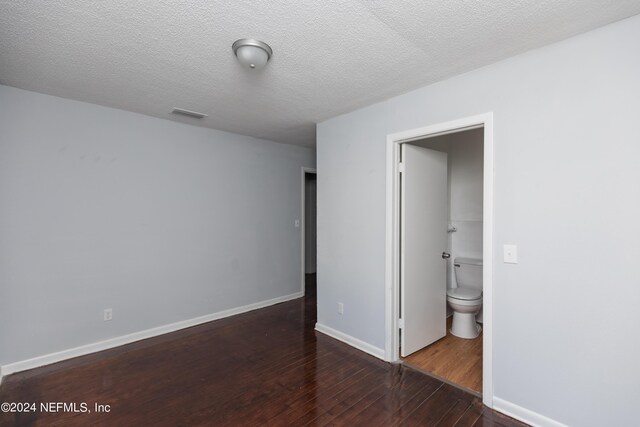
(108, 314)
(297, 223)
(340, 308)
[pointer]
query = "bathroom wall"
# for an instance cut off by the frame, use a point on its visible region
(466, 177)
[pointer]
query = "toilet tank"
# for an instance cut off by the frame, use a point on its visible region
(468, 272)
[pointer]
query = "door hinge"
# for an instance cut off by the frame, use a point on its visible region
(401, 323)
(400, 167)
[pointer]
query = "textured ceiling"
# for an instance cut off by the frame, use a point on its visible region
(330, 57)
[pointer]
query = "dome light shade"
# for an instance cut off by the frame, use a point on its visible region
(252, 54)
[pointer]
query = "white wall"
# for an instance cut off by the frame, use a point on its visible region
(466, 177)
(567, 147)
(158, 220)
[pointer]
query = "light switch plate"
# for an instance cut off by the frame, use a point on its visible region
(511, 254)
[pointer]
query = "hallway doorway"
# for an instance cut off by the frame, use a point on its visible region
(308, 225)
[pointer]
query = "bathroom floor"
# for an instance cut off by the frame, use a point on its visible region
(455, 360)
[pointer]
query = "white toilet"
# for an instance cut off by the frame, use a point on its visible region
(466, 299)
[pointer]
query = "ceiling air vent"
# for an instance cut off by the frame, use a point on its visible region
(188, 113)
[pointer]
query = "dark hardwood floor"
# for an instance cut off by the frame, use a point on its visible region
(266, 367)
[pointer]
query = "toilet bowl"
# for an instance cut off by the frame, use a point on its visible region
(465, 303)
(466, 299)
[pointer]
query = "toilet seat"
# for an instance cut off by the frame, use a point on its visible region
(464, 294)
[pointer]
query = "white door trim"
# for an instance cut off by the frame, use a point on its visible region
(392, 285)
(304, 170)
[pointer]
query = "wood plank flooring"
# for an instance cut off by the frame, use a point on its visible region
(454, 359)
(266, 367)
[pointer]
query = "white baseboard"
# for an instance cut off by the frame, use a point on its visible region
(59, 356)
(353, 342)
(523, 414)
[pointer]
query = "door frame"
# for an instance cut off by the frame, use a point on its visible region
(304, 170)
(392, 238)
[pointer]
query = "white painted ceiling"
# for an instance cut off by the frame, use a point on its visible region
(330, 56)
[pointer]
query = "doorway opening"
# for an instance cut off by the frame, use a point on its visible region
(308, 232)
(439, 252)
(452, 351)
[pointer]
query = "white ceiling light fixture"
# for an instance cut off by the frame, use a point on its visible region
(251, 53)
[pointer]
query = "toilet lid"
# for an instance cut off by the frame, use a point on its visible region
(464, 293)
